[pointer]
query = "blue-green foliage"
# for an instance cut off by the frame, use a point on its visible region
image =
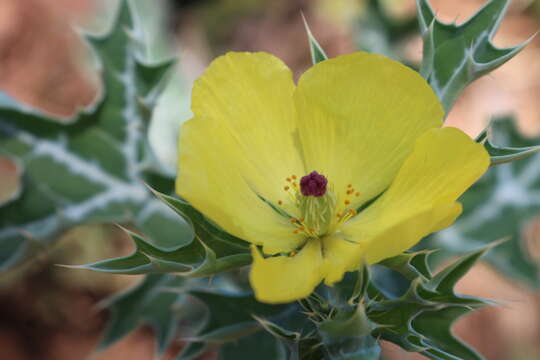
(456, 55)
(89, 168)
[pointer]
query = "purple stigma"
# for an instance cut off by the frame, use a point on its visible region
(313, 184)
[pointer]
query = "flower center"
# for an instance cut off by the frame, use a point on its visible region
(316, 202)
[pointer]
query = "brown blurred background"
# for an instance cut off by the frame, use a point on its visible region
(50, 313)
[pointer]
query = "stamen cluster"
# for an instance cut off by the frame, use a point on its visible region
(317, 204)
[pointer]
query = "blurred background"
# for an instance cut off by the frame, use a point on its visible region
(52, 313)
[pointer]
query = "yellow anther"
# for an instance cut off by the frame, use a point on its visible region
(352, 211)
(347, 202)
(293, 221)
(280, 202)
(295, 231)
(301, 228)
(349, 186)
(294, 177)
(286, 188)
(357, 194)
(288, 179)
(293, 253)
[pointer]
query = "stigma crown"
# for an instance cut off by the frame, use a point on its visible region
(317, 205)
(313, 184)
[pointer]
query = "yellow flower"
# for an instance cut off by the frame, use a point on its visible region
(298, 171)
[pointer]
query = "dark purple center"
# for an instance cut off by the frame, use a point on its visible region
(313, 184)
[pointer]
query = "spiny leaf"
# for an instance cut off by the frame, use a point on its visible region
(88, 168)
(456, 55)
(503, 154)
(196, 259)
(212, 251)
(144, 304)
(230, 315)
(352, 287)
(446, 279)
(205, 230)
(422, 318)
(236, 321)
(261, 346)
(346, 335)
(361, 284)
(441, 343)
(277, 330)
(410, 265)
(298, 343)
(317, 52)
(500, 205)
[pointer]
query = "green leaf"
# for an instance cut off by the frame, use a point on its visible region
(317, 52)
(422, 318)
(236, 320)
(230, 315)
(349, 290)
(144, 304)
(299, 343)
(447, 278)
(277, 331)
(89, 168)
(410, 265)
(503, 154)
(260, 346)
(196, 259)
(456, 55)
(205, 230)
(441, 343)
(213, 250)
(342, 329)
(346, 335)
(501, 204)
(230, 322)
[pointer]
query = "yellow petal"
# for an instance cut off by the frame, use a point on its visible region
(340, 256)
(284, 279)
(421, 200)
(210, 180)
(251, 96)
(359, 116)
(239, 148)
(401, 236)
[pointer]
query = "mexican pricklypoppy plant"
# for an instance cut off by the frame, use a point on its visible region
(349, 166)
